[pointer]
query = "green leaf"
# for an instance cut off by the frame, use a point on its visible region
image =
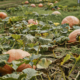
(4, 57)
(33, 27)
(44, 63)
(20, 41)
(16, 37)
(11, 76)
(15, 66)
(2, 63)
(66, 58)
(30, 73)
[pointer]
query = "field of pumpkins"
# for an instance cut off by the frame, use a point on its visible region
(40, 40)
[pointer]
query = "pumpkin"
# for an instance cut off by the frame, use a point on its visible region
(56, 2)
(40, 5)
(56, 12)
(50, 4)
(72, 36)
(58, 8)
(33, 5)
(26, 2)
(3, 15)
(32, 21)
(15, 54)
(71, 20)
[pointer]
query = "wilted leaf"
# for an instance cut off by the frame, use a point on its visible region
(76, 56)
(44, 63)
(66, 58)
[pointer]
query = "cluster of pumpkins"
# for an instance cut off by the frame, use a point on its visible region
(71, 20)
(33, 5)
(15, 54)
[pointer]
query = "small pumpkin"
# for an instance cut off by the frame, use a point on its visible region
(50, 4)
(40, 5)
(72, 36)
(26, 2)
(3, 15)
(71, 20)
(15, 54)
(56, 2)
(56, 12)
(33, 5)
(32, 21)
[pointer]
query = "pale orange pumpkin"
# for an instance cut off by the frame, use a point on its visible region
(33, 5)
(15, 54)
(31, 21)
(40, 5)
(50, 4)
(3, 15)
(56, 1)
(56, 12)
(71, 20)
(26, 2)
(72, 36)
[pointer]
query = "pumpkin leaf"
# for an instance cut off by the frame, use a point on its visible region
(44, 40)
(66, 58)
(33, 27)
(15, 36)
(44, 63)
(35, 56)
(20, 41)
(13, 75)
(28, 38)
(4, 57)
(76, 56)
(14, 63)
(30, 73)
(2, 63)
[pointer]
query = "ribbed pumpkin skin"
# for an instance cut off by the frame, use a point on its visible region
(71, 20)
(15, 54)
(72, 36)
(3, 15)
(40, 5)
(56, 12)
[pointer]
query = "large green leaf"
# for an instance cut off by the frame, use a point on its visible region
(30, 73)
(4, 57)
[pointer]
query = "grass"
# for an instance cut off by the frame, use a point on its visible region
(10, 3)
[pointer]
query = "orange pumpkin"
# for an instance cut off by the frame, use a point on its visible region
(3, 15)
(40, 5)
(32, 21)
(71, 20)
(26, 2)
(56, 12)
(72, 36)
(15, 54)
(33, 5)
